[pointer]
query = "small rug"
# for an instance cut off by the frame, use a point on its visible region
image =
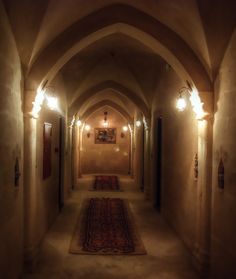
(106, 183)
(106, 227)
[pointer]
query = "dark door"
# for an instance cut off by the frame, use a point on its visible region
(143, 158)
(61, 163)
(159, 163)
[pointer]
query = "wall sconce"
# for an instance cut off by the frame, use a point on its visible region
(87, 128)
(79, 123)
(181, 103)
(125, 129)
(105, 122)
(52, 102)
(41, 95)
(138, 123)
(72, 122)
(38, 102)
(194, 98)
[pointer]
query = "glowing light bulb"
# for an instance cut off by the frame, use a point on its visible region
(197, 104)
(138, 123)
(38, 103)
(105, 124)
(87, 127)
(181, 104)
(125, 128)
(52, 102)
(79, 123)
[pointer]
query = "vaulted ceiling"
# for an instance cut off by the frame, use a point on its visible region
(109, 50)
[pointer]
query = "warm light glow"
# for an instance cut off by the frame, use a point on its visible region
(145, 123)
(138, 123)
(52, 102)
(72, 122)
(117, 149)
(38, 103)
(79, 123)
(105, 124)
(181, 104)
(125, 128)
(195, 100)
(87, 127)
(197, 104)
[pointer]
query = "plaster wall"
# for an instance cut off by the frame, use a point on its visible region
(105, 158)
(11, 146)
(223, 243)
(42, 198)
(47, 190)
(179, 146)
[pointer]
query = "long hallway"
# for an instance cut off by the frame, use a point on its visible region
(131, 88)
(167, 257)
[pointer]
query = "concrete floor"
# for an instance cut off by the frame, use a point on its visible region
(167, 257)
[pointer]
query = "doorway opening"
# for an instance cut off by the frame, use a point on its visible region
(61, 164)
(159, 163)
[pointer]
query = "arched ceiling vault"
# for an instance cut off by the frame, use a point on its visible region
(105, 103)
(219, 22)
(205, 26)
(120, 19)
(118, 88)
(116, 57)
(109, 95)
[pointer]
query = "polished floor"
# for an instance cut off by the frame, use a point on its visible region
(167, 257)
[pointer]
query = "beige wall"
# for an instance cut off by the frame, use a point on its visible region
(11, 146)
(46, 190)
(105, 158)
(224, 146)
(41, 195)
(179, 189)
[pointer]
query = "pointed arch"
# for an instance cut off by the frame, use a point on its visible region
(104, 103)
(117, 87)
(121, 19)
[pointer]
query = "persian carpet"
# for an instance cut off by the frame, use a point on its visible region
(106, 183)
(105, 226)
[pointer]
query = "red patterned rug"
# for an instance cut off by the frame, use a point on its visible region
(106, 227)
(106, 183)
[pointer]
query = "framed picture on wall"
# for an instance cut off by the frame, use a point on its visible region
(47, 149)
(105, 135)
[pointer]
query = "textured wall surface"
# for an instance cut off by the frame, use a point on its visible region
(105, 158)
(11, 146)
(224, 147)
(42, 197)
(179, 189)
(47, 189)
